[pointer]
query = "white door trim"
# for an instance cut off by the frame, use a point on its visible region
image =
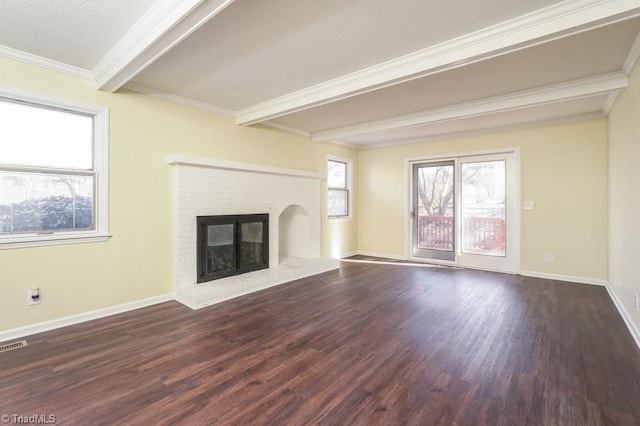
(515, 203)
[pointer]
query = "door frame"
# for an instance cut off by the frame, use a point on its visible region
(433, 253)
(515, 203)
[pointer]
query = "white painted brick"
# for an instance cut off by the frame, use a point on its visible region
(200, 191)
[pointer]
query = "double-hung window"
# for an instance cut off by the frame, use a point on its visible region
(339, 194)
(53, 171)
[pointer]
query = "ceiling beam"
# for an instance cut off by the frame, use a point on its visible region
(553, 22)
(632, 57)
(482, 130)
(593, 86)
(164, 25)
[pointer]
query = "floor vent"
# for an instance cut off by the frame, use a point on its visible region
(11, 346)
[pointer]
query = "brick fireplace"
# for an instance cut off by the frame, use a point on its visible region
(291, 198)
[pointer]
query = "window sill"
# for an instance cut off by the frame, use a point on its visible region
(51, 240)
(340, 218)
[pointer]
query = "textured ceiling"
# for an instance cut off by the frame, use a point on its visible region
(364, 72)
(74, 32)
(554, 62)
(586, 107)
(257, 50)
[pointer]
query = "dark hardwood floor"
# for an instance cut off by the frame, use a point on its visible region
(368, 344)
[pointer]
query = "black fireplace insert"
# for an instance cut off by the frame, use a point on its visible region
(231, 245)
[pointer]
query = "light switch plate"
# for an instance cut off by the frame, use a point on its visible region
(528, 205)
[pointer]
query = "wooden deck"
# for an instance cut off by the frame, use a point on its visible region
(368, 344)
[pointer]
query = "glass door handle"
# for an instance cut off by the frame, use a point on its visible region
(412, 214)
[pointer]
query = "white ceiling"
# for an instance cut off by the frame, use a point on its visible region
(362, 72)
(74, 32)
(280, 46)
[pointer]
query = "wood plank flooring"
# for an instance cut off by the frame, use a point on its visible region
(365, 345)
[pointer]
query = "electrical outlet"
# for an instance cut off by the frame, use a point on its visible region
(33, 297)
(549, 258)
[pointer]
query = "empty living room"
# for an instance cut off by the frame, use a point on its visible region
(296, 212)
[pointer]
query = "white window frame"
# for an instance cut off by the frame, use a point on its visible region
(349, 178)
(100, 170)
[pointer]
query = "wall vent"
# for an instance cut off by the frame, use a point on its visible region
(11, 346)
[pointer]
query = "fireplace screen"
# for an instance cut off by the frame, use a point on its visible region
(231, 245)
(251, 244)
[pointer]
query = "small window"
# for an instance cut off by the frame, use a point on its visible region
(338, 188)
(52, 171)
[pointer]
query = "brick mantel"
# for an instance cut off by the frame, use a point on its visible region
(213, 163)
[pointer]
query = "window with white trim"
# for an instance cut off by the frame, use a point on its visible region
(339, 194)
(53, 171)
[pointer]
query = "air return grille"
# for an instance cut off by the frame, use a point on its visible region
(11, 346)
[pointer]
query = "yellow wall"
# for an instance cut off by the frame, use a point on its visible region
(624, 197)
(563, 169)
(137, 262)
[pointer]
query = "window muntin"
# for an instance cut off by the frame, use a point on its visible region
(338, 188)
(53, 171)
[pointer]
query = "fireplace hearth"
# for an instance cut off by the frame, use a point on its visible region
(231, 245)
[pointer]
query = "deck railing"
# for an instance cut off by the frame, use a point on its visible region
(481, 233)
(485, 234)
(435, 232)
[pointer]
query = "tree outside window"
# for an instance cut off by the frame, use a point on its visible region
(53, 181)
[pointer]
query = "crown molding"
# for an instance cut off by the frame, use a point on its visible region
(553, 22)
(480, 132)
(50, 64)
(347, 144)
(627, 68)
(287, 128)
(157, 93)
(577, 89)
(304, 133)
(632, 57)
(610, 102)
(164, 25)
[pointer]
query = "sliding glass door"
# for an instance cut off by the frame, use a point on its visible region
(465, 211)
(433, 210)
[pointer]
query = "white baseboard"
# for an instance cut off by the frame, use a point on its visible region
(568, 278)
(385, 255)
(348, 254)
(633, 329)
(79, 318)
